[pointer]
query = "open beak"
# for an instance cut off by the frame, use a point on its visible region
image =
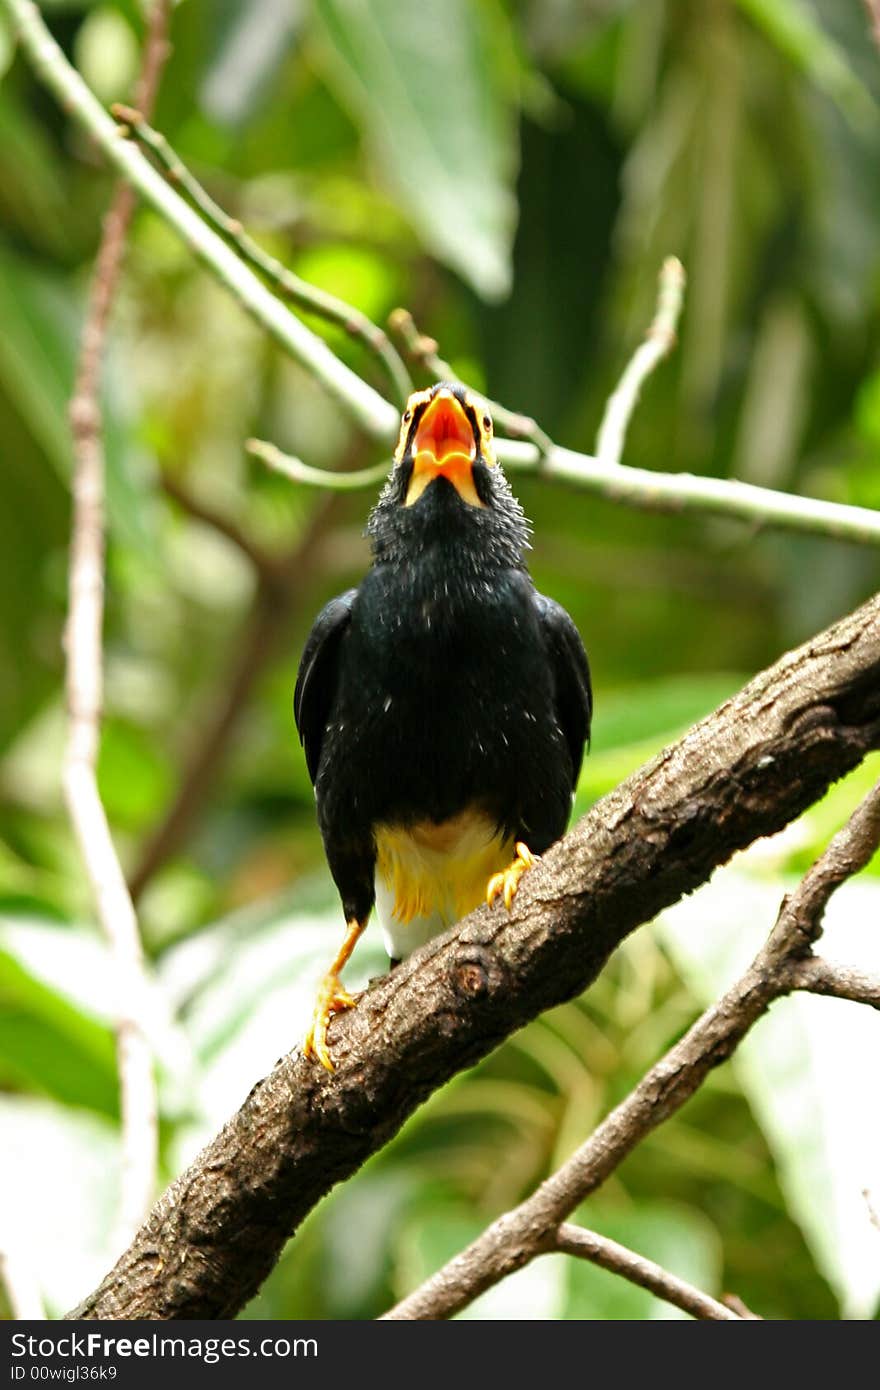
(444, 447)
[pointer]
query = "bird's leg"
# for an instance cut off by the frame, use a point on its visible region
(507, 882)
(332, 998)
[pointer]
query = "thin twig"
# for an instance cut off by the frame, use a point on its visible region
(624, 485)
(371, 411)
(346, 480)
(635, 487)
(660, 339)
(873, 10)
(617, 1259)
(530, 1229)
(287, 284)
(83, 639)
(424, 351)
(818, 976)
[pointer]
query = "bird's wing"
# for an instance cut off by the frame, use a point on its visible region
(571, 670)
(316, 680)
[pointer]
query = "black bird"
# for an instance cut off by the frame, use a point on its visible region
(444, 704)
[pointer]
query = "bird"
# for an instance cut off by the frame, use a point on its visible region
(443, 704)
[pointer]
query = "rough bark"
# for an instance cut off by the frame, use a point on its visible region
(743, 772)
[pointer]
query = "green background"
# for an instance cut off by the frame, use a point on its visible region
(514, 174)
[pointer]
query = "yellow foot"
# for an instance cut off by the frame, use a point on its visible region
(332, 999)
(507, 882)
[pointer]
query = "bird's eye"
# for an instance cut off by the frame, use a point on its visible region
(487, 422)
(407, 416)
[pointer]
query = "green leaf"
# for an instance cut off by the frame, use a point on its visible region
(804, 1067)
(57, 987)
(420, 80)
(797, 33)
(50, 1043)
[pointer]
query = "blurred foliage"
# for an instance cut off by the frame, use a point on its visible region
(513, 173)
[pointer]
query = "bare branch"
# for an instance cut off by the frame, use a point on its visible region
(288, 285)
(424, 350)
(872, 8)
(742, 773)
(298, 472)
(84, 694)
(659, 342)
(629, 486)
(800, 918)
(22, 1290)
(617, 1259)
(818, 976)
(530, 1229)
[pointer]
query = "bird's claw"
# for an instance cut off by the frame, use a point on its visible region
(332, 999)
(505, 883)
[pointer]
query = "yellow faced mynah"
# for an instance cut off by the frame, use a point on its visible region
(443, 704)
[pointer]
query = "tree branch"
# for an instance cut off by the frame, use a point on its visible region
(345, 480)
(617, 1259)
(423, 350)
(84, 680)
(288, 285)
(370, 410)
(665, 492)
(818, 976)
(532, 1228)
(744, 772)
(603, 475)
(659, 341)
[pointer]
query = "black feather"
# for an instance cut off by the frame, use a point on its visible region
(445, 681)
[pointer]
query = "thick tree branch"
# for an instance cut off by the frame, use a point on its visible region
(533, 1227)
(744, 772)
(84, 680)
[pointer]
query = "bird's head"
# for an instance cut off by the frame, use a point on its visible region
(445, 433)
(445, 485)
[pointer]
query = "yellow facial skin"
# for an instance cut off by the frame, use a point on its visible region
(441, 433)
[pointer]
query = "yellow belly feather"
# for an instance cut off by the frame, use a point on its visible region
(440, 868)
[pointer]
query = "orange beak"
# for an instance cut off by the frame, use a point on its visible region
(444, 447)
